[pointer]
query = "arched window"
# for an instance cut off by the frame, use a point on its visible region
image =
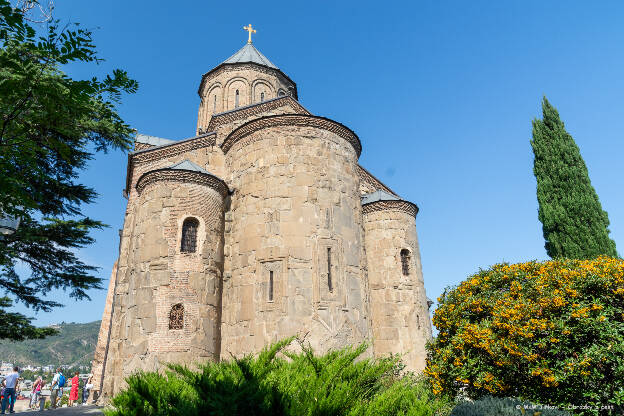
(405, 258)
(214, 104)
(176, 317)
(189, 235)
(261, 97)
(271, 286)
(236, 99)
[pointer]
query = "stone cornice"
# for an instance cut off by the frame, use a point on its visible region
(242, 65)
(292, 120)
(403, 206)
(255, 109)
(184, 176)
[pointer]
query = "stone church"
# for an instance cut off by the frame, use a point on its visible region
(261, 226)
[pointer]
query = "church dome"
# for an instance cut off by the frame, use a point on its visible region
(245, 78)
(249, 53)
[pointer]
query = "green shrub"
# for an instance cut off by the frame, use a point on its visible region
(548, 332)
(338, 383)
(64, 400)
(492, 406)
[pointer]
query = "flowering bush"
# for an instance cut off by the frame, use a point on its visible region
(548, 332)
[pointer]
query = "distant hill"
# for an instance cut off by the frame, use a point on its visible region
(74, 345)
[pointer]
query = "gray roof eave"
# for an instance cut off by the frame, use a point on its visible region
(379, 195)
(149, 149)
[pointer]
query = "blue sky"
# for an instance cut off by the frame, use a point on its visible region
(441, 94)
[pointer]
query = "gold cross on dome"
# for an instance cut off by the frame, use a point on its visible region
(250, 30)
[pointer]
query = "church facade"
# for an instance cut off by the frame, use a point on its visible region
(261, 226)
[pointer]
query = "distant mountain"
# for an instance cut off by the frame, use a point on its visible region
(74, 345)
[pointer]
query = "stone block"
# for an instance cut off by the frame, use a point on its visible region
(388, 333)
(146, 310)
(159, 277)
(246, 303)
(148, 324)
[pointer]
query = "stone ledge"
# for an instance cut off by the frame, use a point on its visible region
(254, 109)
(403, 206)
(185, 176)
(292, 120)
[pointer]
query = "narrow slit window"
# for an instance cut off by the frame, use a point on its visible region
(261, 97)
(236, 99)
(329, 270)
(271, 286)
(214, 104)
(189, 235)
(405, 259)
(176, 317)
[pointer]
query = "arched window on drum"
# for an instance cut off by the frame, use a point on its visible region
(189, 235)
(405, 261)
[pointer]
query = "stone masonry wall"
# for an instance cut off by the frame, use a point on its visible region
(97, 365)
(154, 275)
(296, 195)
(399, 311)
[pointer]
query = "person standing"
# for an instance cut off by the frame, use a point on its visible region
(58, 382)
(86, 390)
(10, 383)
(73, 393)
(36, 391)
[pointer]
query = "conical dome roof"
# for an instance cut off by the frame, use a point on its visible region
(249, 53)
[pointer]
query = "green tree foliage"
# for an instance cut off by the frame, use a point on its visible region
(546, 332)
(573, 222)
(337, 383)
(50, 126)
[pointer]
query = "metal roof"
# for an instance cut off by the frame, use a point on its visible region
(167, 142)
(154, 141)
(249, 53)
(379, 196)
(188, 165)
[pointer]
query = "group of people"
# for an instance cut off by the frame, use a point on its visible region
(59, 383)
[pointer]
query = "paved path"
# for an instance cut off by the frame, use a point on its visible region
(65, 411)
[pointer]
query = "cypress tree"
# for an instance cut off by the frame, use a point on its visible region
(573, 222)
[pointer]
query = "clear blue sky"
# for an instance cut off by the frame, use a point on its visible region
(441, 93)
